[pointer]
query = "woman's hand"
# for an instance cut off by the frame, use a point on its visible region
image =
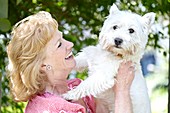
(124, 77)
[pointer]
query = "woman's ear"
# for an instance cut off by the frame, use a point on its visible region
(43, 68)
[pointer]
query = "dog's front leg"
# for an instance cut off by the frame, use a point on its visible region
(81, 62)
(95, 84)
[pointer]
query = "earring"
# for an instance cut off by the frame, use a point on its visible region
(48, 67)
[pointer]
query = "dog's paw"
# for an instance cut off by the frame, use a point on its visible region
(70, 95)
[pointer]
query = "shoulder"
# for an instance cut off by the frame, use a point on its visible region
(51, 103)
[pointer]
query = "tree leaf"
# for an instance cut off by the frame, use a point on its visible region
(18, 1)
(5, 25)
(4, 8)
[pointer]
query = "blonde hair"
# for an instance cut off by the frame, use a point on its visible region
(26, 53)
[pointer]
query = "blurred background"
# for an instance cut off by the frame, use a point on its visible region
(81, 21)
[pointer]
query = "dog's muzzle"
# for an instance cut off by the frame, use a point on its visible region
(118, 41)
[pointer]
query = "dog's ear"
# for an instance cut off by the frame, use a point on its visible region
(113, 9)
(149, 18)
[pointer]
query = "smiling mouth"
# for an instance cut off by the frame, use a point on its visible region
(70, 55)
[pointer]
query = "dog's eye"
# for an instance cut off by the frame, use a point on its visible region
(131, 30)
(115, 27)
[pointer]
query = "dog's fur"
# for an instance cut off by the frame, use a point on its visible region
(123, 37)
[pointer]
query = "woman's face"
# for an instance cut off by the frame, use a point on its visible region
(59, 56)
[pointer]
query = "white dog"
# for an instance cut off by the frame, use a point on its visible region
(123, 37)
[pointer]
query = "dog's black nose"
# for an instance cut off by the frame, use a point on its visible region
(118, 41)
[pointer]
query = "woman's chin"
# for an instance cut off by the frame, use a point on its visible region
(70, 62)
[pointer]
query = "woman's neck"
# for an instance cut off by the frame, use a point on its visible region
(60, 87)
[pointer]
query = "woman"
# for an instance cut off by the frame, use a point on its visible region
(40, 60)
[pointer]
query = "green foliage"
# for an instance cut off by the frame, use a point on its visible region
(4, 9)
(4, 25)
(76, 18)
(7, 104)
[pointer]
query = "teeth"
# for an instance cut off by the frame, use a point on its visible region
(70, 54)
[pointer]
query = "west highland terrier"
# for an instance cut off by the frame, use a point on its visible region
(123, 37)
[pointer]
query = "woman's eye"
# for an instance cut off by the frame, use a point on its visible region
(59, 44)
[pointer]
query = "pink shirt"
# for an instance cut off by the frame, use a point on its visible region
(49, 103)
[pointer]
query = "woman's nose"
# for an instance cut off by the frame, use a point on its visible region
(69, 45)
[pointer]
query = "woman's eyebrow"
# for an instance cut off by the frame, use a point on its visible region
(56, 42)
(59, 38)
